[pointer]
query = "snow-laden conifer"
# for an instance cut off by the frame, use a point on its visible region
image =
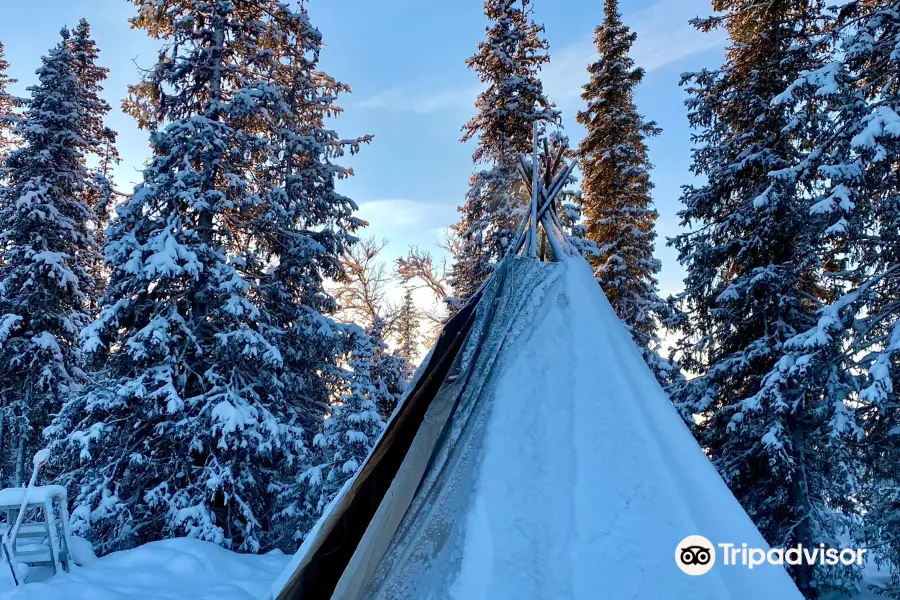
(620, 217)
(214, 341)
(104, 153)
(406, 326)
(852, 350)
(755, 282)
(47, 253)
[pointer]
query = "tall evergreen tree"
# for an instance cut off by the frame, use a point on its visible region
(508, 61)
(390, 371)
(214, 337)
(103, 139)
(101, 153)
(754, 283)
(351, 428)
(8, 108)
(406, 328)
(857, 336)
(619, 214)
(48, 247)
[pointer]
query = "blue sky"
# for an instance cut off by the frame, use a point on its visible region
(404, 60)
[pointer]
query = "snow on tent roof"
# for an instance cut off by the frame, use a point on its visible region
(535, 458)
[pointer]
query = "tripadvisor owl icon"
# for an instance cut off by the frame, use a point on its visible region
(695, 555)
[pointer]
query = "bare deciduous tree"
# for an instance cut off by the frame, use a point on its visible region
(362, 289)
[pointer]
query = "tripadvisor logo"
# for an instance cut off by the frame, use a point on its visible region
(696, 555)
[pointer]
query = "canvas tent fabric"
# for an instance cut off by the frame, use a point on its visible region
(534, 458)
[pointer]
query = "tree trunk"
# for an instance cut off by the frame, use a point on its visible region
(205, 222)
(20, 460)
(3, 454)
(802, 507)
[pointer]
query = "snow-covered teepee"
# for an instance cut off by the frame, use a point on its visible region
(535, 457)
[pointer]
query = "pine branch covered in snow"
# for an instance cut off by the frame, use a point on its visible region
(215, 344)
(9, 108)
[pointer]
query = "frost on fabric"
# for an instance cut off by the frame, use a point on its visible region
(564, 469)
(588, 478)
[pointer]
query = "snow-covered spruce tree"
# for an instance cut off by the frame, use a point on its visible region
(406, 325)
(213, 339)
(754, 282)
(508, 61)
(9, 106)
(871, 142)
(852, 350)
(390, 371)
(618, 207)
(859, 204)
(875, 63)
(48, 248)
(351, 428)
(101, 152)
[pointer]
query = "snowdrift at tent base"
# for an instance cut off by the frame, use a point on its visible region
(174, 569)
(536, 457)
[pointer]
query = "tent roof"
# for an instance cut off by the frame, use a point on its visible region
(535, 457)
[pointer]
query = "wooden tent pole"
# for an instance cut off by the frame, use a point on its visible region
(548, 197)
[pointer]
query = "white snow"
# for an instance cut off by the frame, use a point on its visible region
(38, 494)
(177, 569)
(41, 457)
(590, 479)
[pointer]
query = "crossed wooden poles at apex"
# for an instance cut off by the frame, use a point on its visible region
(545, 175)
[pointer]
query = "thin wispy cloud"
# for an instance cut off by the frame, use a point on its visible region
(393, 214)
(664, 37)
(421, 98)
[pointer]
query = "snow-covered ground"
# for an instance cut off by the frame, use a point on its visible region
(179, 569)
